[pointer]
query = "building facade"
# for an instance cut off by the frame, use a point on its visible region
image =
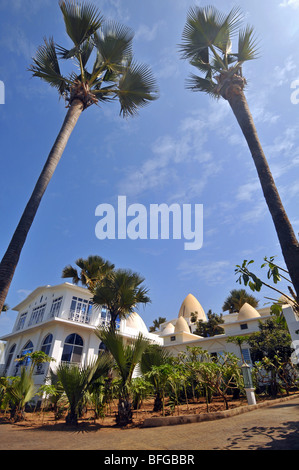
(61, 321)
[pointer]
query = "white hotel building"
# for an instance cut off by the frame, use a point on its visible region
(61, 321)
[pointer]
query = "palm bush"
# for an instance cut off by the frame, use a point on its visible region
(19, 392)
(76, 380)
(126, 358)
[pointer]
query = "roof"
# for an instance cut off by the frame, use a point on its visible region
(135, 321)
(41, 289)
(247, 312)
(191, 305)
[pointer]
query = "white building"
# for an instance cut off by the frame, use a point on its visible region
(61, 321)
(178, 333)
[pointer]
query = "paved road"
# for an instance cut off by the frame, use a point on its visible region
(270, 428)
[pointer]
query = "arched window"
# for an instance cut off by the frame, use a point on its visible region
(72, 349)
(102, 347)
(46, 346)
(27, 349)
(10, 356)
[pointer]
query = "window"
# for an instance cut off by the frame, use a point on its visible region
(10, 356)
(21, 321)
(102, 347)
(80, 310)
(27, 349)
(46, 346)
(106, 317)
(73, 349)
(172, 338)
(55, 307)
(244, 326)
(37, 315)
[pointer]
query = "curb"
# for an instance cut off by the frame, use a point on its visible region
(187, 419)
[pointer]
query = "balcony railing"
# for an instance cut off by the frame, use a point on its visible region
(79, 317)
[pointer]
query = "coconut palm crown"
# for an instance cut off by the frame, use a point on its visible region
(207, 44)
(107, 47)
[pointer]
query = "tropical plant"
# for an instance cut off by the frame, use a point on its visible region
(140, 389)
(160, 376)
(238, 340)
(126, 358)
(120, 292)
(154, 356)
(211, 327)
(220, 376)
(114, 74)
(236, 299)
(52, 392)
(273, 342)
(92, 271)
(34, 359)
(275, 273)
(156, 324)
(20, 391)
(76, 380)
(207, 45)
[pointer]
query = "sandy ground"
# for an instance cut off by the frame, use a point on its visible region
(271, 428)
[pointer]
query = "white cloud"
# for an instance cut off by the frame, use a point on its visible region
(213, 273)
(148, 33)
(290, 3)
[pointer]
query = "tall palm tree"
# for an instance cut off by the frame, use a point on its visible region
(120, 292)
(207, 44)
(113, 75)
(92, 271)
(236, 299)
(126, 357)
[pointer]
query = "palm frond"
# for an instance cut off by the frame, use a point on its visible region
(84, 50)
(247, 46)
(46, 66)
(114, 47)
(196, 83)
(69, 271)
(207, 27)
(136, 88)
(81, 20)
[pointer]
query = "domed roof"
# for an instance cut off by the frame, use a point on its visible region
(247, 312)
(169, 328)
(181, 325)
(191, 305)
(135, 321)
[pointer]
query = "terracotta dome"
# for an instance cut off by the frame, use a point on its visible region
(135, 321)
(181, 325)
(191, 305)
(247, 312)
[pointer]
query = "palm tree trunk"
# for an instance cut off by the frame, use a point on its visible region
(11, 257)
(287, 239)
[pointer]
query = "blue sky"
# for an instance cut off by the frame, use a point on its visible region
(184, 148)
